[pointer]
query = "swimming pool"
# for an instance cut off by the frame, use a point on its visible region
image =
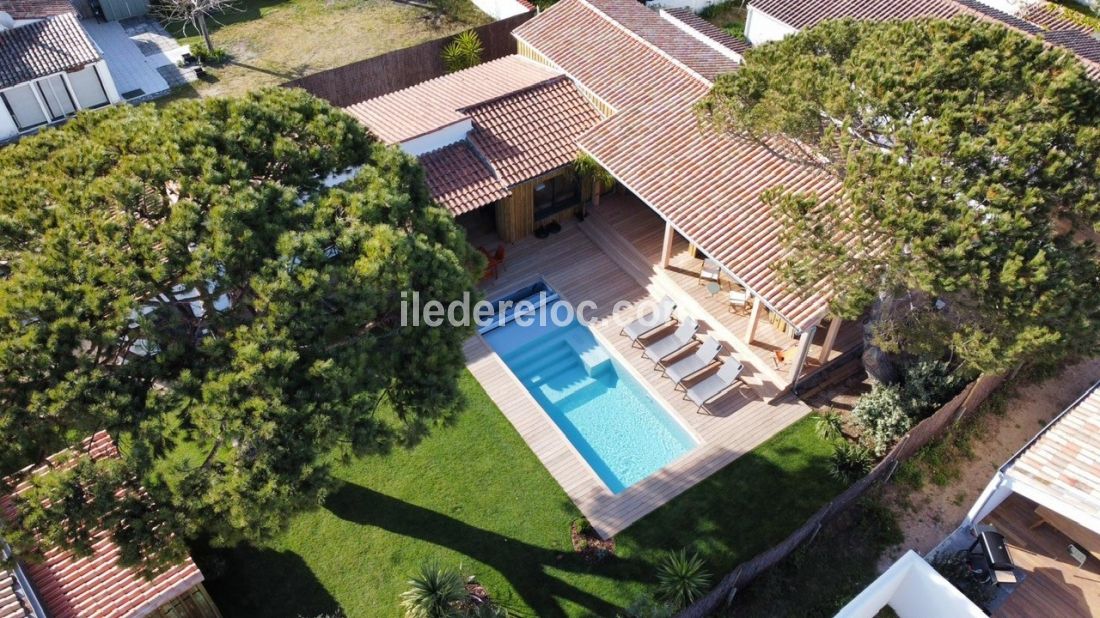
(622, 432)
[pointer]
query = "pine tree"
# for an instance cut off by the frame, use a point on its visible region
(182, 278)
(968, 156)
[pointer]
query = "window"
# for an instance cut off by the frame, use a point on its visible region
(23, 107)
(87, 88)
(56, 97)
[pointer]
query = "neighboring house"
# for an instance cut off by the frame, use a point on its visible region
(1045, 502)
(49, 67)
(61, 585)
(771, 20)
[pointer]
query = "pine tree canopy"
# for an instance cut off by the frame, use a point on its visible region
(182, 278)
(968, 156)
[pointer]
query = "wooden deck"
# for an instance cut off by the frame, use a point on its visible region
(1053, 584)
(573, 263)
(643, 231)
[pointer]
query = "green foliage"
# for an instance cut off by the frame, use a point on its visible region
(1083, 13)
(587, 167)
(728, 15)
(928, 385)
(646, 606)
(882, 416)
(829, 426)
(181, 277)
(463, 52)
(850, 462)
(680, 579)
(967, 157)
(954, 568)
(211, 58)
(435, 592)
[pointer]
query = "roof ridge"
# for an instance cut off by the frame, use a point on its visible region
(546, 82)
(445, 76)
(634, 35)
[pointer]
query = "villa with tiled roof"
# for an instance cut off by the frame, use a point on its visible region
(59, 584)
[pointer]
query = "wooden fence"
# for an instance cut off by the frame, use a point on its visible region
(924, 432)
(402, 68)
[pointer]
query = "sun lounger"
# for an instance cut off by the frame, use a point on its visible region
(678, 340)
(716, 384)
(650, 321)
(702, 357)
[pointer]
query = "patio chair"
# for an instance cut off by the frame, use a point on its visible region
(739, 300)
(702, 357)
(678, 340)
(709, 272)
(715, 385)
(641, 326)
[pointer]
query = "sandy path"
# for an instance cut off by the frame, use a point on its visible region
(933, 512)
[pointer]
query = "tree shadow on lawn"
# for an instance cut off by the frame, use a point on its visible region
(524, 565)
(264, 582)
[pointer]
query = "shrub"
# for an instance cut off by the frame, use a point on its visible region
(954, 568)
(680, 579)
(850, 462)
(829, 426)
(928, 385)
(882, 416)
(463, 52)
(646, 606)
(208, 57)
(434, 592)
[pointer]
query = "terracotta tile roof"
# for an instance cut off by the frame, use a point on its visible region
(434, 104)
(666, 37)
(803, 14)
(1037, 20)
(459, 180)
(42, 48)
(1049, 18)
(33, 9)
(1085, 46)
(690, 19)
(96, 587)
(13, 601)
(709, 186)
(532, 132)
(616, 65)
(1064, 460)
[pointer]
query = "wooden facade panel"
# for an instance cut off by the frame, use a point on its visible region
(516, 213)
(195, 603)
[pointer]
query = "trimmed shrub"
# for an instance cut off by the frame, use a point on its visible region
(882, 415)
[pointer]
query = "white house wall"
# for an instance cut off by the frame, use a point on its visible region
(762, 28)
(501, 9)
(88, 88)
(913, 589)
(694, 5)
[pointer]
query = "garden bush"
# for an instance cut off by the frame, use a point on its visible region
(882, 416)
(850, 462)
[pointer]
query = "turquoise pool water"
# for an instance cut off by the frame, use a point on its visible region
(619, 429)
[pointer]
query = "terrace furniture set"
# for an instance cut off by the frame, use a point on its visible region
(660, 350)
(710, 274)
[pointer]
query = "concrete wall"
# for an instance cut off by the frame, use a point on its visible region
(913, 589)
(501, 9)
(762, 28)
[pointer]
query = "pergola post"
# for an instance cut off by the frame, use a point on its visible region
(830, 340)
(754, 319)
(666, 246)
(803, 350)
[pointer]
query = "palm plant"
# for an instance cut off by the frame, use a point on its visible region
(587, 167)
(434, 592)
(463, 52)
(829, 426)
(849, 462)
(680, 579)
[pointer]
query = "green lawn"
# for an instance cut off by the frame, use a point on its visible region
(473, 494)
(274, 41)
